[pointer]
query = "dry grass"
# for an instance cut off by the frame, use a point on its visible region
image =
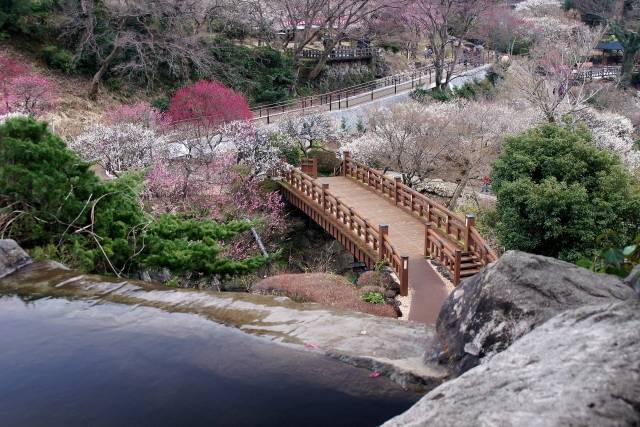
(322, 288)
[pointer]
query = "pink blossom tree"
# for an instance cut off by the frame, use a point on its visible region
(220, 190)
(141, 113)
(9, 69)
(30, 94)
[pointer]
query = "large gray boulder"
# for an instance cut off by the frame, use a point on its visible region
(520, 291)
(12, 257)
(580, 368)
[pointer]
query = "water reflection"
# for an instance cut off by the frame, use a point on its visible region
(94, 363)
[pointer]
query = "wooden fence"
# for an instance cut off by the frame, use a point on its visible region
(369, 243)
(364, 92)
(342, 54)
(455, 243)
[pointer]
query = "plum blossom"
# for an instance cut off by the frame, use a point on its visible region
(119, 147)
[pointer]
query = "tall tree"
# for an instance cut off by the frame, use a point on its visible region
(445, 23)
(136, 38)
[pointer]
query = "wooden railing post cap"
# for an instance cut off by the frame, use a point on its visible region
(470, 219)
(325, 186)
(384, 228)
(346, 154)
(397, 178)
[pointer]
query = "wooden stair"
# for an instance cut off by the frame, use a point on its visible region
(470, 265)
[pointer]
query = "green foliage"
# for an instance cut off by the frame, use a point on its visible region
(373, 297)
(290, 152)
(328, 162)
(360, 126)
(557, 193)
(40, 177)
(161, 103)
(419, 94)
(611, 260)
(189, 245)
(344, 124)
(56, 207)
(264, 74)
(25, 17)
(442, 95)
(475, 89)
(380, 265)
(59, 58)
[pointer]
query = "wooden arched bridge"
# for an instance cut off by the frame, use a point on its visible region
(378, 218)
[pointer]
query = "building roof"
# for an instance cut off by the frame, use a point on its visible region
(614, 45)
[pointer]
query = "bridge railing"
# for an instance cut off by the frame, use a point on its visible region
(370, 237)
(340, 99)
(341, 53)
(447, 237)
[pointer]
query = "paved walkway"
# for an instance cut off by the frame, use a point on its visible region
(406, 232)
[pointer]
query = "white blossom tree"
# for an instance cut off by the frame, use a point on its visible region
(120, 147)
(307, 132)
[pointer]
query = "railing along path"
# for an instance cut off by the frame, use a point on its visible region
(364, 92)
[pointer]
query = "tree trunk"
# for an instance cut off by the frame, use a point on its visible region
(93, 89)
(322, 62)
(453, 203)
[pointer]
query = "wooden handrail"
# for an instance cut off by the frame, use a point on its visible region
(359, 229)
(446, 232)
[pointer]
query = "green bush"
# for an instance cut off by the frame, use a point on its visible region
(59, 58)
(328, 162)
(161, 103)
(55, 206)
(618, 261)
(442, 95)
(419, 94)
(558, 194)
(26, 17)
(373, 297)
(263, 74)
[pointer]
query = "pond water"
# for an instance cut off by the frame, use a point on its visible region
(93, 363)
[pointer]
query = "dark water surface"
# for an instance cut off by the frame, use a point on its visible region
(80, 363)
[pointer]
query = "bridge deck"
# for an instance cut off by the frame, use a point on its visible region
(406, 232)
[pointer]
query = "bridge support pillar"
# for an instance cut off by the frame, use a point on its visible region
(470, 221)
(383, 233)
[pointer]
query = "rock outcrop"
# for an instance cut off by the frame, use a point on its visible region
(633, 279)
(12, 257)
(520, 291)
(579, 368)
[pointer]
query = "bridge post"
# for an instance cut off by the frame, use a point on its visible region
(456, 267)
(469, 222)
(404, 276)
(396, 195)
(383, 232)
(427, 227)
(330, 102)
(345, 162)
(325, 188)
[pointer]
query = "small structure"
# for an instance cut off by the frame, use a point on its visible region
(609, 52)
